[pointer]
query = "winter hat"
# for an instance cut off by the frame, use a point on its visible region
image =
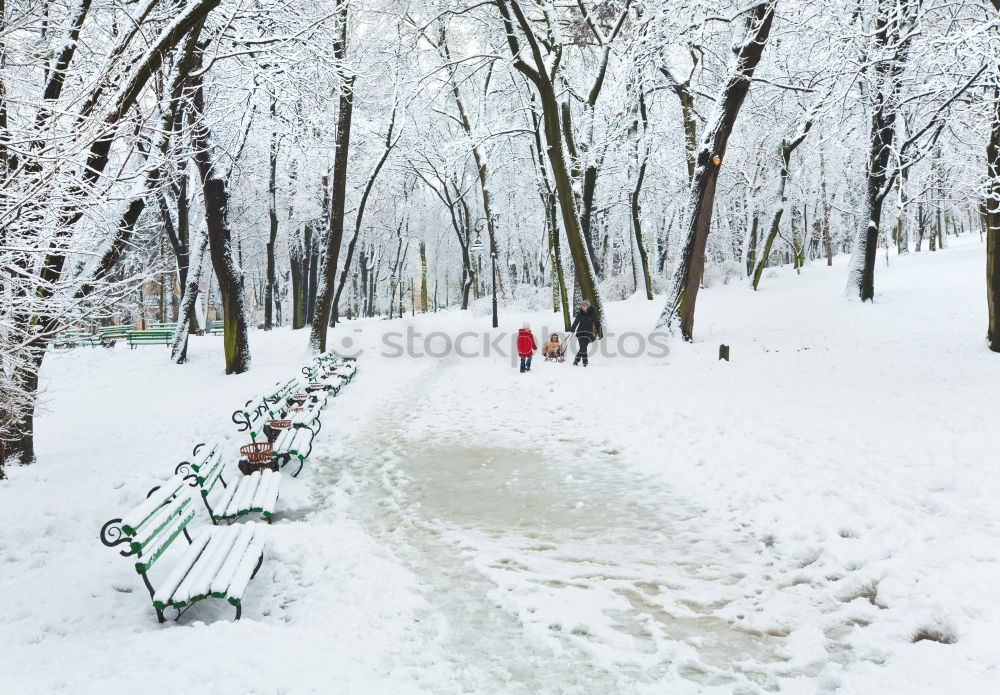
(585, 303)
(525, 325)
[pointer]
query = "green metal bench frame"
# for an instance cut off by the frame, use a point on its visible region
(152, 527)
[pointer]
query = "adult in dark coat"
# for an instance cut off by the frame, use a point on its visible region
(587, 330)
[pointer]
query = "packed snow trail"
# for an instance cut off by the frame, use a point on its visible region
(547, 564)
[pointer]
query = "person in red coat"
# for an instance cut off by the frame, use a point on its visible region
(526, 347)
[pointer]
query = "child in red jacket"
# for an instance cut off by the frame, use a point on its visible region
(525, 347)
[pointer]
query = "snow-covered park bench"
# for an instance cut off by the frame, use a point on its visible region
(242, 495)
(344, 367)
(215, 561)
(334, 381)
(294, 399)
(297, 412)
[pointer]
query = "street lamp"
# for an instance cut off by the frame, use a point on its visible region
(477, 246)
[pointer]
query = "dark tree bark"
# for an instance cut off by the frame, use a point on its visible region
(712, 153)
(640, 119)
(827, 242)
(272, 236)
(298, 270)
(893, 32)
(215, 191)
(992, 219)
(312, 272)
(60, 66)
(335, 230)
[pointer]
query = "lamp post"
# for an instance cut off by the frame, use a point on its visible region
(478, 246)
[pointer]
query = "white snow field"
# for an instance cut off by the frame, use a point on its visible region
(792, 521)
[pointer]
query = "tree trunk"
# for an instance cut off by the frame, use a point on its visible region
(893, 34)
(272, 190)
(359, 217)
(557, 260)
(691, 262)
(920, 226)
(752, 243)
(992, 218)
(637, 229)
(299, 268)
(311, 273)
(423, 277)
(539, 76)
(335, 229)
(787, 148)
(335, 232)
(187, 314)
(827, 243)
(235, 339)
(688, 120)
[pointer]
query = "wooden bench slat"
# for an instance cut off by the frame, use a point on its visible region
(244, 495)
(267, 494)
(228, 569)
(161, 599)
(179, 519)
(133, 521)
(241, 578)
(225, 499)
(199, 580)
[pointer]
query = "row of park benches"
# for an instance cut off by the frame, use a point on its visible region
(105, 336)
(207, 495)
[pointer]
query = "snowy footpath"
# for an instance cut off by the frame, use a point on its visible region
(819, 515)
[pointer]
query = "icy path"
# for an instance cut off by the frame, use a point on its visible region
(549, 566)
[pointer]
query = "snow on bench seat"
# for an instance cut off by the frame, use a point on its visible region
(304, 418)
(209, 567)
(217, 561)
(346, 370)
(141, 514)
(295, 442)
(242, 495)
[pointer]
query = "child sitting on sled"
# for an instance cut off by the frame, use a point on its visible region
(553, 349)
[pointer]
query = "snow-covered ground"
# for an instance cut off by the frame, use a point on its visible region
(792, 520)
